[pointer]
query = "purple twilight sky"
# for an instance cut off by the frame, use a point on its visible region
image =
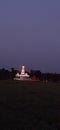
(30, 34)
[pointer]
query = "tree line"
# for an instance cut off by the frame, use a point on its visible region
(34, 75)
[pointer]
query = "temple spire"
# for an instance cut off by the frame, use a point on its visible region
(23, 70)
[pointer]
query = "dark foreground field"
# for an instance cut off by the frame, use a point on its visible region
(29, 105)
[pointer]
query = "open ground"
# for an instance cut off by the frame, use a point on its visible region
(29, 105)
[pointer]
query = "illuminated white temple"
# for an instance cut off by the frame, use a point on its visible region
(22, 75)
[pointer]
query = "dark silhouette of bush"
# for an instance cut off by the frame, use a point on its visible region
(34, 74)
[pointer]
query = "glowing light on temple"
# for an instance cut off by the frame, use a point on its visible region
(23, 75)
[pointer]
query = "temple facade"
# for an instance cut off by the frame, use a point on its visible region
(23, 75)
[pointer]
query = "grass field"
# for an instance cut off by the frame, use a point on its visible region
(29, 105)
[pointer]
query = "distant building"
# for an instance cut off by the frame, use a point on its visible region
(23, 75)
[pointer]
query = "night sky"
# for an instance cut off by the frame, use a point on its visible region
(30, 34)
